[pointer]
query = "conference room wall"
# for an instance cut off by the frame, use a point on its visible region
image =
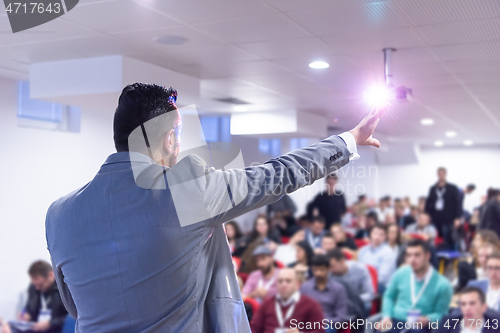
(39, 166)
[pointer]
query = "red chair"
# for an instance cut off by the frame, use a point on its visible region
(347, 254)
(374, 276)
(284, 239)
(417, 236)
(237, 263)
(361, 242)
(253, 303)
(243, 276)
(279, 264)
(438, 241)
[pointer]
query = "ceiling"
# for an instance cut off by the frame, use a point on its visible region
(448, 52)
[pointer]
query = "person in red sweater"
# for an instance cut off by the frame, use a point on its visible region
(288, 311)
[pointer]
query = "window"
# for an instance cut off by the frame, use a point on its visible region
(270, 147)
(46, 115)
(216, 129)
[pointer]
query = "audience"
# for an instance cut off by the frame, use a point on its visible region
(489, 213)
(473, 316)
(353, 273)
(330, 204)
(331, 255)
(423, 228)
(330, 294)
(491, 285)
(417, 293)
(233, 233)
(262, 282)
(341, 239)
(44, 307)
(302, 264)
(288, 311)
(379, 255)
(327, 243)
(314, 234)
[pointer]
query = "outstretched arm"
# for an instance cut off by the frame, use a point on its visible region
(219, 196)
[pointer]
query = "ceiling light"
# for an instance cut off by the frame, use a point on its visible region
(240, 108)
(319, 64)
(438, 143)
(468, 143)
(451, 134)
(427, 121)
(170, 40)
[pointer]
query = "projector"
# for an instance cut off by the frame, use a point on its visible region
(402, 94)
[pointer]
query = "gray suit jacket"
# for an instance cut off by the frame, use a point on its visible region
(123, 263)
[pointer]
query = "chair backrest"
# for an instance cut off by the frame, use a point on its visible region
(285, 239)
(347, 254)
(374, 276)
(237, 262)
(279, 264)
(253, 303)
(361, 242)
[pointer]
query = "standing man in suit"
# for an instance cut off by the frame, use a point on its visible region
(474, 317)
(141, 247)
(444, 206)
(330, 204)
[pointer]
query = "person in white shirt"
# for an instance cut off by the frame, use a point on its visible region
(491, 286)
(379, 255)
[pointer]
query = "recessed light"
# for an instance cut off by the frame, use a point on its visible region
(438, 143)
(468, 142)
(240, 108)
(170, 40)
(319, 64)
(427, 121)
(451, 134)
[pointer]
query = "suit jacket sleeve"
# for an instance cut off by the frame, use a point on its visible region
(66, 297)
(223, 195)
(429, 202)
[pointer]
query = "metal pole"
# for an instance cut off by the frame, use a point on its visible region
(388, 66)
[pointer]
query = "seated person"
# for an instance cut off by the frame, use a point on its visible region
(327, 243)
(417, 293)
(263, 232)
(491, 285)
(366, 222)
(262, 282)
(379, 255)
(343, 242)
(315, 232)
(330, 294)
(423, 228)
(353, 273)
(302, 264)
(288, 311)
(287, 253)
(44, 306)
(474, 317)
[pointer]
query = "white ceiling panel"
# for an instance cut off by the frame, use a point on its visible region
(462, 32)
(256, 29)
(373, 40)
(197, 11)
(301, 5)
(313, 48)
(428, 12)
(475, 51)
(349, 20)
(118, 16)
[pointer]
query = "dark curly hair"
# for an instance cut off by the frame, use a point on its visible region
(138, 103)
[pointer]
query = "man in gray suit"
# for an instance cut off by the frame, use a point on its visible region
(125, 260)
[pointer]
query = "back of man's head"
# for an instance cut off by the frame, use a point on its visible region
(138, 103)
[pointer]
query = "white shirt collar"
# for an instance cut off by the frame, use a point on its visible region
(294, 298)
